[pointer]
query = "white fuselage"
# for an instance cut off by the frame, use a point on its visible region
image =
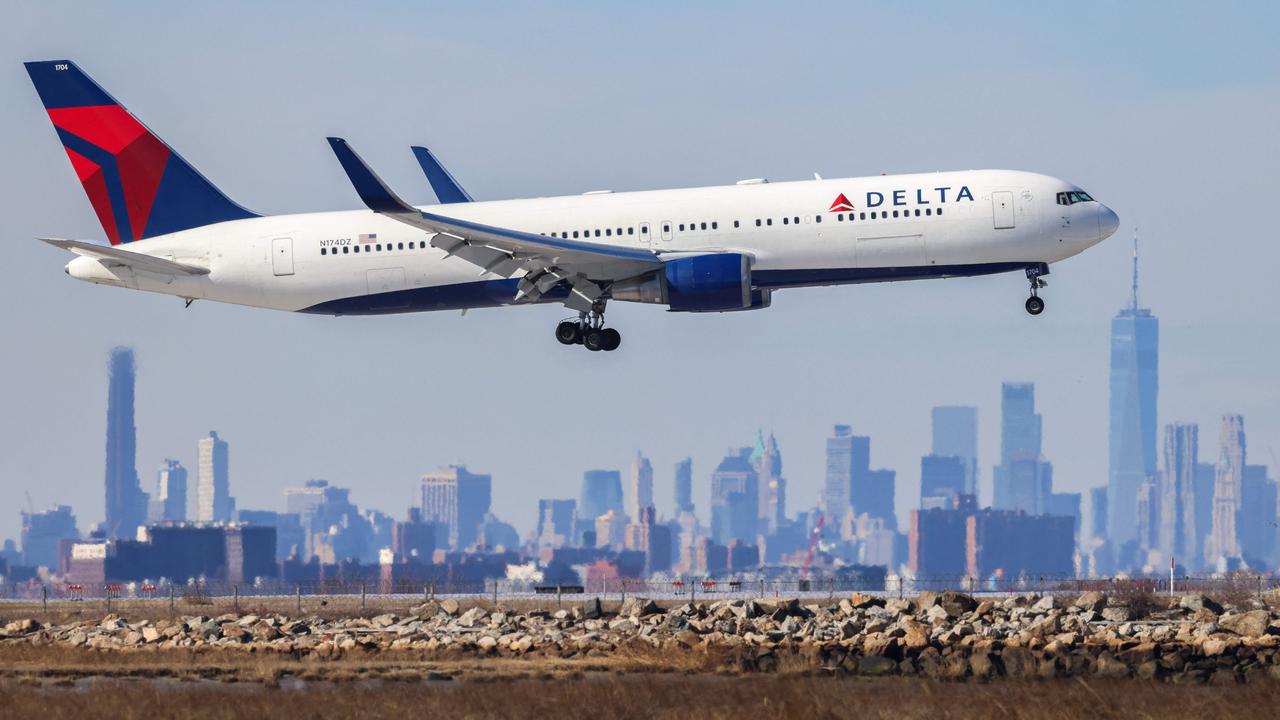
(357, 261)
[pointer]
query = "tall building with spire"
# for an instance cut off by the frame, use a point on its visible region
(1135, 340)
(126, 504)
(639, 487)
(767, 460)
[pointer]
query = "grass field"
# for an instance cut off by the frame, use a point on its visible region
(628, 695)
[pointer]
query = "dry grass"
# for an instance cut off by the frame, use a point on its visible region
(652, 696)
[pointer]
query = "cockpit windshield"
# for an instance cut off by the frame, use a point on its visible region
(1072, 197)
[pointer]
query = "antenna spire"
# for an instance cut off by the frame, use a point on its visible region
(1135, 269)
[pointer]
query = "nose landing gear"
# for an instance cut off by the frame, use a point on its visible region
(1034, 304)
(589, 331)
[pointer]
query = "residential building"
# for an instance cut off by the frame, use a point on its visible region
(213, 484)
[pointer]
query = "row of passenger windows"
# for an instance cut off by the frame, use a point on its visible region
(378, 247)
(666, 228)
(606, 232)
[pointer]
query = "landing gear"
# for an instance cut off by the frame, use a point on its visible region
(589, 331)
(1034, 304)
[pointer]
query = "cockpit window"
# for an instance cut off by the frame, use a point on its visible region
(1073, 197)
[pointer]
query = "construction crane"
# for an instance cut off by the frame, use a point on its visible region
(813, 546)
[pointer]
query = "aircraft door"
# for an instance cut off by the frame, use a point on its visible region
(645, 237)
(282, 256)
(1002, 209)
(666, 231)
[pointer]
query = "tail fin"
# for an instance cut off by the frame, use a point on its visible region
(138, 185)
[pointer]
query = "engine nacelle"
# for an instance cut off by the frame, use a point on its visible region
(708, 283)
(715, 282)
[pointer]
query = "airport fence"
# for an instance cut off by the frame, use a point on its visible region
(363, 596)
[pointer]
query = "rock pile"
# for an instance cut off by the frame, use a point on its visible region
(942, 635)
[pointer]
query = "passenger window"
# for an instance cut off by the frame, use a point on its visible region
(608, 232)
(715, 225)
(895, 213)
(400, 246)
(597, 232)
(575, 234)
(769, 222)
(796, 220)
(735, 223)
(322, 251)
(863, 216)
(681, 227)
(757, 222)
(928, 211)
(817, 218)
(917, 212)
(666, 228)
(939, 211)
(345, 249)
(840, 217)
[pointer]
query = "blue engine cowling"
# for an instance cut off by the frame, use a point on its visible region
(716, 282)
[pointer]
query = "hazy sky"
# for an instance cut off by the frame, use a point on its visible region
(1164, 111)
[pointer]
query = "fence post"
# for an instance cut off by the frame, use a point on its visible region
(235, 590)
(693, 591)
(170, 597)
(495, 593)
(761, 588)
(108, 600)
(362, 596)
(299, 598)
(558, 605)
(44, 597)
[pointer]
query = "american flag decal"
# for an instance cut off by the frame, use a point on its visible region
(363, 238)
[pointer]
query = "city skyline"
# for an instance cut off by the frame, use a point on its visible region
(877, 358)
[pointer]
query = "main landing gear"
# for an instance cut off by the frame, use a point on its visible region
(589, 331)
(1035, 305)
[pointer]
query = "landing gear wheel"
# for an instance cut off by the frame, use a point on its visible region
(593, 340)
(569, 332)
(1035, 305)
(611, 339)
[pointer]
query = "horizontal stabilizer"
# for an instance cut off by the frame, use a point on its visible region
(135, 260)
(447, 189)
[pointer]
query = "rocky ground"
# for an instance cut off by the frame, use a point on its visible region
(936, 635)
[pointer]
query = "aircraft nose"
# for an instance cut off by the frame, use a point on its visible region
(1108, 222)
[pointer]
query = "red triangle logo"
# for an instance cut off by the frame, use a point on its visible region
(841, 203)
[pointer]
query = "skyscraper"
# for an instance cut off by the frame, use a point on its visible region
(126, 505)
(601, 492)
(684, 486)
(955, 434)
(943, 480)
(735, 498)
(171, 491)
(640, 487)
(767, 461)
(1178, 536)
(458, 499)
(1024, 479)
(1224, 541)
(1135, 340)
(213, 485)
(555, 522)
(42, 533)
(845, 452)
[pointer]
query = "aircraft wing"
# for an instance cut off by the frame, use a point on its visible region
(136, 260)
(544, 262)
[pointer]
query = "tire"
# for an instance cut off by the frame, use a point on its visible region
(568, 333)
(1035, 305)
(612, 339)
(594, 340)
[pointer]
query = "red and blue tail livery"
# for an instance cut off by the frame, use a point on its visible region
(138, 186)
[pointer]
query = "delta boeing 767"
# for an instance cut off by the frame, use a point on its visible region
(711, 249)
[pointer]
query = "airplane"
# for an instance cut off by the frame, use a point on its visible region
(705, 249)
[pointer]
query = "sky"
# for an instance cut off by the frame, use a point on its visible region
(1165, 112)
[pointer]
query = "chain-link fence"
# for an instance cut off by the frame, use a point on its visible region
(274, 595)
